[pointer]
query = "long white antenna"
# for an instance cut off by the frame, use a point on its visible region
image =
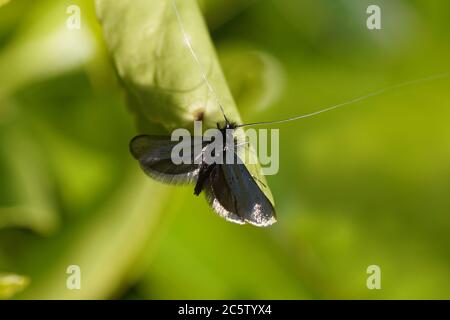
(355, 100)
(187, 40)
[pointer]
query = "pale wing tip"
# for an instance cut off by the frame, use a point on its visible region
(255, 218)
(262, 215)
(262, 223)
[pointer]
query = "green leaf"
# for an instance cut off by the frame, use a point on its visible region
(10, 284)
(163, 81)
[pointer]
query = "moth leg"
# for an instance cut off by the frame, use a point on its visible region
(203, 175)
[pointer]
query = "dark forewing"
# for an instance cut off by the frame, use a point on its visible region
(154, 155)
(234, 195)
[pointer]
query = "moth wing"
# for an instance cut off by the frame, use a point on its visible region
(246, 152)
(154, 154)
(220, 196)
(234, 195)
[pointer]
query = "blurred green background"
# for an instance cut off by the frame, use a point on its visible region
(368, 184)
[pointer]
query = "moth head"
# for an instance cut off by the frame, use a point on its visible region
(227, 125)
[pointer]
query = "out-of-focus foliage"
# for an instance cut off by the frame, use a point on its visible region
(256, 90)
(3, 2)
(364, 185)
(11, 284)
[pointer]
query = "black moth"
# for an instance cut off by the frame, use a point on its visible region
(230, 189)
